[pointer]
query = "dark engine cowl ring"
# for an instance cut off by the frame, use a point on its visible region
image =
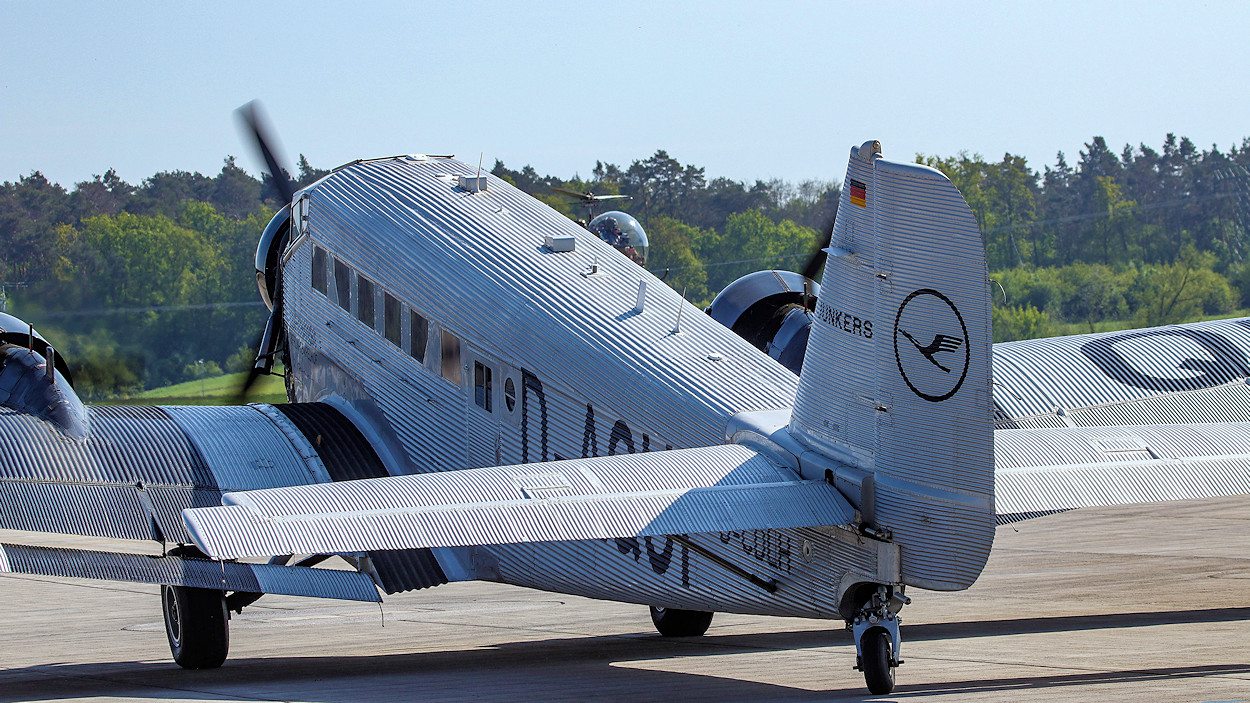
(772, 310)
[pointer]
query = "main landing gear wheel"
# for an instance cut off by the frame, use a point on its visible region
(671, 622)
(877, 661)
(197, 625)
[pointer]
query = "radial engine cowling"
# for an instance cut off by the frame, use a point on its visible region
(772, 310)
(269, 254)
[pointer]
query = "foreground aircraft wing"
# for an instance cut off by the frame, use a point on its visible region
(138, 467)
(1043, 471)
(709, 489)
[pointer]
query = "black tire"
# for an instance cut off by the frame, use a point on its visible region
(875, 661)
(197, 626)
(671, 622)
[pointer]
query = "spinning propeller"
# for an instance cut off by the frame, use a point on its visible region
(272, 244)
(588, 199)
(817, 262)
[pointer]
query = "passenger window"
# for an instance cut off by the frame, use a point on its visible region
(343, 284)
(482, 385)
(392, 319)
(364, 300)
(417, 335)
(451, 357)
(319, 279)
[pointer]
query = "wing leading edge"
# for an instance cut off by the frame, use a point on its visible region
(709, 489)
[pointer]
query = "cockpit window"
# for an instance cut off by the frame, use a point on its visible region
(392, 320)
(343, 284)
(364, 300)
(319, 278)
(623, 232)
(451, 357)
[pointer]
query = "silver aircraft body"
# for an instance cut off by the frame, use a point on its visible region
(482, 389)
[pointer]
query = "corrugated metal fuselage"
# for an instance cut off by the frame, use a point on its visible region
(530, 355)
(477, 346)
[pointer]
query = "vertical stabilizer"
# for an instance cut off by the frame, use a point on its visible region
(896, 381)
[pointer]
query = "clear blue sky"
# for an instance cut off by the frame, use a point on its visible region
(746, 89)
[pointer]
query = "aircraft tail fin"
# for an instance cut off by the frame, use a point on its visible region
(896, 381)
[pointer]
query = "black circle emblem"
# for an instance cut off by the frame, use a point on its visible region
(935, 356)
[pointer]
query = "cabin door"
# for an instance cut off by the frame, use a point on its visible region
(484, 377)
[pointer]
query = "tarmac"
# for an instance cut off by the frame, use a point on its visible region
(1139, 603)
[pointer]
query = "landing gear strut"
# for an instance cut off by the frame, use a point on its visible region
(672, 622)
(197, 625)
(877, 639)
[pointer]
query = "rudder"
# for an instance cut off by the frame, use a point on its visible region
(896, 381)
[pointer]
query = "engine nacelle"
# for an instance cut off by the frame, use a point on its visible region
(772, 310)
(269, 254)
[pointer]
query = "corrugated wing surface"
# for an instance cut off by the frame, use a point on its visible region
(135, 467)
(683, 491)
(1191, 373)
(1042, 471)
(139, 466)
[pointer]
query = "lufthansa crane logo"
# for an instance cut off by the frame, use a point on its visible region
(931, 345)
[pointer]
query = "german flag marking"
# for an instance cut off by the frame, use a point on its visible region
(858, 192)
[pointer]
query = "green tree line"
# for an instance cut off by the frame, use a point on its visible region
(143, 285)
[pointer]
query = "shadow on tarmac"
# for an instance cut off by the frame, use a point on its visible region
(576, 668)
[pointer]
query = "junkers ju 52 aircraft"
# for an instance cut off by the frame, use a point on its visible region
(481, 389)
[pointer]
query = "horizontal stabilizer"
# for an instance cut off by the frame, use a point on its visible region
(710, 489)
(196, 573)
(1048, 470)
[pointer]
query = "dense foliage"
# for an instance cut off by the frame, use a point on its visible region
(139, 286)
(1143, 237)
(149, 284)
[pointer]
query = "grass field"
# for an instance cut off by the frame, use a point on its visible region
(1066, 328)
(220, 390)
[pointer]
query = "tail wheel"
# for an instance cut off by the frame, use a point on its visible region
(671, 622)
(877, 661)
(197, 625)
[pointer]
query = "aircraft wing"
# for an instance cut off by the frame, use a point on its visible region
(1179, 374)
(139, 467)
(709, 489)
(1043, 471)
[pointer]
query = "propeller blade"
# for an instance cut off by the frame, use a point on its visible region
(817, 262)
(250, 114)
(253, 374)
(573, 193)
(609, 197)
(246, 387)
